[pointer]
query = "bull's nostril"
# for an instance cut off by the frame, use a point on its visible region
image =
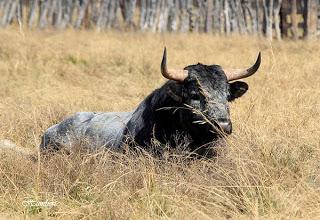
(225, 127)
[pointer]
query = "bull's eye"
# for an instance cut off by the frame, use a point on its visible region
(194, 95)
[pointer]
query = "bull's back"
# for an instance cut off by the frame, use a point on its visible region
(89, 128)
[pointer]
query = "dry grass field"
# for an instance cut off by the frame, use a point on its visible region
(268, 169)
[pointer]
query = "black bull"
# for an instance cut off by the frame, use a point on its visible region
(194, 103)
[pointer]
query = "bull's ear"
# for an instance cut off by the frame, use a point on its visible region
(237, 89)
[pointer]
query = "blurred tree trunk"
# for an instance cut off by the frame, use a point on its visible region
(127, 10)
(276, 12)
(227, 18)
(268, 17)
(44, 7)
(113, 9)
(163, 16)
(6, 12)
(143, 13)
(151, 14)
(81, 13)
(172, 24)
(185, 15)
(310, 19)
(57, 15)
(158, 12)
(67, 13)
(248, 16)
(234, 25)
(216, 15)
(103, 15)
(95, 6)
(222, 18)
(86, 19)
(240, 16)
(294, 25)
(54, 13)
(20, 12)
(12, 11)
(259, 17)
(201, 15)
(283, 19)
(196, 15)
(32, 12)
(2, 5)
(51, 11)
(209, 12)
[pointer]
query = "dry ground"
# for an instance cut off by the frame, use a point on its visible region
(270, 168)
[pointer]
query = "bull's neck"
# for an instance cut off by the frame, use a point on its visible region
(153, 110)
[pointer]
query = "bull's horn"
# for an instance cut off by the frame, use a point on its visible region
(234, 74)
(176, 75)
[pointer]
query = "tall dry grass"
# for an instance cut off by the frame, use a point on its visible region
(269, 168)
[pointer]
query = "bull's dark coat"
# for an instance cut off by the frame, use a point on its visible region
(170, 110)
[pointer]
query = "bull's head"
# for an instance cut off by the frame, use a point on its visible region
(207, 91)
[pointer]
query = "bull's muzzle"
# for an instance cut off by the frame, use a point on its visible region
(225, 126)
